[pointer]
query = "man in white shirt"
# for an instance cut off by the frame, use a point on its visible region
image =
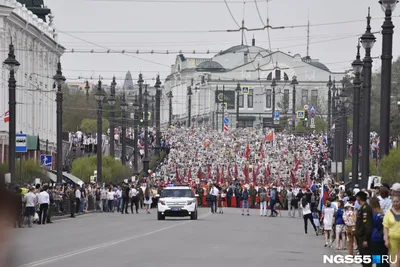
(30, 201)
(214, 198)
(78, 196)
(134, 200)
(44, 201)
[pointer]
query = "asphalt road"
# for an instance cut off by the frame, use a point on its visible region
(113, 240)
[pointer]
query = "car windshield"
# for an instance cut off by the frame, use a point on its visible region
(177, 193)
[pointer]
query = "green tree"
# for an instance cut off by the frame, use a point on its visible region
(90, 125)
(112, 170)
(389, 167)
(320, 125)
(31, 170)
(348, 167)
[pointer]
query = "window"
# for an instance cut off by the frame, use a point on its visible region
(304, 97)
(245, 123)
(314, 97)
(241, 101)
(286, 99)
(250, 99)
(177, 193)
(278, 75)
(286, 77)
(269, 77)
(268, 98)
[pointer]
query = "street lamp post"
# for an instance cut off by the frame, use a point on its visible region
(87, 87)
(273, 85)
(124, 107)
(170, 96)
(357, 67)
(12, 65)
(368, 40)
(294, 83)
(136, 109)
(189, 93)
(329, 111)
(333, 147)
(100, 98)
(59, 79)
(146, 159)
(158, 115)
(111, 104)
(388, 6)
(237, 105)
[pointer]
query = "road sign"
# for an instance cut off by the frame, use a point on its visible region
(306, 107)
(148, 117)
(312, 115)
(277, 114)
(46, 161)
(226, 114)
(21, 143)
(224, 106)
(359, 151)
(220, 97)
(300, 114)
(226, 120)
(312, 109)
(312, 123)
(245, 90)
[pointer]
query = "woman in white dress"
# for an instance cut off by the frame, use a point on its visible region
(148, 199)
(328, 219)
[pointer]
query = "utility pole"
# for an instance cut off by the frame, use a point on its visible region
(190, 93)
(237, 105)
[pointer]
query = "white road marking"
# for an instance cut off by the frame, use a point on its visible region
(103, 245)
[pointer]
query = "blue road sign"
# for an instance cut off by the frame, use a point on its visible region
(277, 114)
(312, 115)
(226, 120)
(46, 161)
(312, 109)
(21, 143)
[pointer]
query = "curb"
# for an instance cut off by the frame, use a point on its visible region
(66, 216)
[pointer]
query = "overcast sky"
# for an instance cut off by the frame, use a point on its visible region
(175, 25)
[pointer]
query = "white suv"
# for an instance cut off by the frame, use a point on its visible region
(177, 201)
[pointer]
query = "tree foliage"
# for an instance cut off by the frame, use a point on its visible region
(348, 167)
(112, 170)
(31, 170)
(320, 125)
(389, 167)
(90, 125)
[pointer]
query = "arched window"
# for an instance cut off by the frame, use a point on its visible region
(269, 77)
(285, 77)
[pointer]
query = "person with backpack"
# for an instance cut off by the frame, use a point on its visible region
(262, 195)
(125, 199)
(274, 198)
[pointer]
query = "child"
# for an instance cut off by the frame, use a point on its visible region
(223, 199)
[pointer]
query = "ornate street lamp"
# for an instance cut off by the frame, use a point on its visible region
(135, 107)
(170, 96)
(158, 115)
(368, 40)
(294, 83)
(59, 80)
(329, 85)
(99, 96)
(124, 108)
(146, 159)
(111, 103)
(388, 6)
(238, 89)
(12, 66)
(273, 85)
(87, 87)
(357, 68)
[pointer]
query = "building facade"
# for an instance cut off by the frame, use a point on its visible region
(215, 79)
(38, 52)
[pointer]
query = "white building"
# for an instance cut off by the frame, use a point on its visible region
(253, 67)
(37, 50)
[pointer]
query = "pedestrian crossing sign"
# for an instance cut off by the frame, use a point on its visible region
(147, 117)
(245, 90)
(224, 106)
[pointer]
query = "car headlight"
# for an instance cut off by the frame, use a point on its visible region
(162, 202)
(190, 202)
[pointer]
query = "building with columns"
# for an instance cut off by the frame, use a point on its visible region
(31, 30)
(215, 79)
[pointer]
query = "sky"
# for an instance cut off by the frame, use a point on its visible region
(174, 25)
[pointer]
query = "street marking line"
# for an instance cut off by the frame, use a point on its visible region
(107, 244)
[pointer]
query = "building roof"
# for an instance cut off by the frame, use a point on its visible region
(210, 65)
(237, 48)
(314, 63)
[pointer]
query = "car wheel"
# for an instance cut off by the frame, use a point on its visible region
(193, 216)
(160, 216)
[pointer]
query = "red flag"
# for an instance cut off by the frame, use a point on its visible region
(279, 180)
(209, 172)
(177, 176)
(7, 116)
(247, 152)
(236, 171)
(218, 176)
(254, 176)
(308, 179)
(184, 175)
(246, 174)
(222, 175)
(190, 174)
(294, 180)
(261, 151)
(200, 174)
(269, 137)
(229, 174)
(266, 176)
(268, 171)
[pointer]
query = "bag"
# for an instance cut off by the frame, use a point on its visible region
(208, 198)
(245, 195)
(147, 198)
(294, 201)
